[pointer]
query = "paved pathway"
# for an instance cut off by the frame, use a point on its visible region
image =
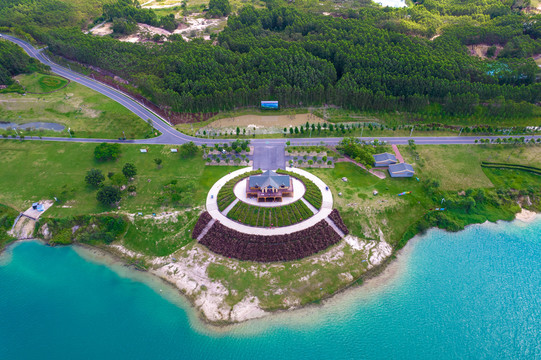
(212, 207)
(231, 206)
(397, 154)
(206, 229)
(333, 225)
(310, 206)
(269, 156)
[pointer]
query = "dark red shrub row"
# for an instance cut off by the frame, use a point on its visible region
(337, 219)
(294, 246)
(203, 220)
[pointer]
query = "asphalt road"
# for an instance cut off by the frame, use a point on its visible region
(172, 136)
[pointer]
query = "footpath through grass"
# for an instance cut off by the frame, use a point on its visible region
(89, 114)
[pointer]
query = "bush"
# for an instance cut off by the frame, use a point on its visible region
(129, 170)
(94, 177)
(108, 195)
(188, 149)
(105, 151)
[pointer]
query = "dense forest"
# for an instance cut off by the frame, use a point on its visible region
(365, 58)
(14, 61)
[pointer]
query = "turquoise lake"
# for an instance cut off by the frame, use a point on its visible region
(475, 294)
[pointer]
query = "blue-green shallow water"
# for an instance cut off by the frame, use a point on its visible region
(470, 295)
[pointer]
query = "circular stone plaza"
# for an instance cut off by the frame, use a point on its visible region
(269, 216)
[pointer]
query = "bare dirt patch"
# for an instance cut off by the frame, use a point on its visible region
(480, 50)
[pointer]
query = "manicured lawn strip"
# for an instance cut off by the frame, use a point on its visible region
(226, 194)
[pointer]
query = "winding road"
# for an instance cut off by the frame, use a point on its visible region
(170, 136)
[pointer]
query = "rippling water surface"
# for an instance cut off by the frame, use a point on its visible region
(473, 294)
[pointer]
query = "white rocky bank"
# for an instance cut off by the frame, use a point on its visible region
(189, 275)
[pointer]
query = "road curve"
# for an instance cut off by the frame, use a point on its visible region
(171, 136)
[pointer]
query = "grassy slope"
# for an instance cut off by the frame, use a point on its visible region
(363, 213)
(457, 167)
(88, 113)
(41, 83)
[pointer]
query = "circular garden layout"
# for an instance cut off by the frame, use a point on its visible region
(243, 228)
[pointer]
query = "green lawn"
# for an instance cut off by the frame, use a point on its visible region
(88, 113)
(42, 83)
(33, 171)
(363, 213)
(458, 167)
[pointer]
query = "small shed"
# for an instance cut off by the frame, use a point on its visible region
(174, 150)
(384, 160)
(144, 150)
(401, 170)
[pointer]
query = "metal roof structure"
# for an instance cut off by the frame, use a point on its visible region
(269, 178)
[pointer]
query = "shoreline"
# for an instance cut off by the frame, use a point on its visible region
(385, 273)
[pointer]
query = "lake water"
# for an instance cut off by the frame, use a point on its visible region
(36, 125)
(472, 294)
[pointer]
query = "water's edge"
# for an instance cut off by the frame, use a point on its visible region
(385, 273)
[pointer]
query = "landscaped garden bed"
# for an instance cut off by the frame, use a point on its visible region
(313, 193)
(203, 220)
(297, 245)
(226, 195)
(278, 216)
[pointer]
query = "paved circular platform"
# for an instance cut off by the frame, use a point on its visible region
(323, 213)
(298, 192)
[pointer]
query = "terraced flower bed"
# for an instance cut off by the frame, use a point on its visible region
(226, 195)
(313, 193)
(279, 216)
(293, 246)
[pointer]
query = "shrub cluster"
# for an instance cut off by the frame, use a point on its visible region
(294, 246)
(203, 220)
(337, 219)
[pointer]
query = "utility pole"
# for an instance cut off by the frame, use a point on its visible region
(460, 132)
(411, 132)
(362, 130)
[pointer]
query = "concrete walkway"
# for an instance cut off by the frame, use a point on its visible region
(323, 213)
(206, 229)
(397, 154)
(228, 209)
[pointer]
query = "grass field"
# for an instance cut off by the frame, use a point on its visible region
(365, 214)
(88, 113)
(33, 171)
(458, 167)
(42, 83)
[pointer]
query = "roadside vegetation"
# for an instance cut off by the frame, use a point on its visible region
(85, 112)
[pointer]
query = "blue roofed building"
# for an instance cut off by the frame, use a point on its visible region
(384, 160)
(401, 170)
